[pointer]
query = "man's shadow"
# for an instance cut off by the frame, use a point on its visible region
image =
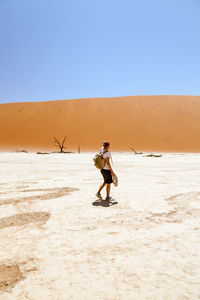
(104, 203)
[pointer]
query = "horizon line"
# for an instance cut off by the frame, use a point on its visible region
(84, 98)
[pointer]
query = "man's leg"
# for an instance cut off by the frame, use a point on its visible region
(101, 187)
(108, 187)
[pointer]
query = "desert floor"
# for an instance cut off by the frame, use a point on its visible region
(58, 242)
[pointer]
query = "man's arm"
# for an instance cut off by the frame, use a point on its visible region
(109, 165)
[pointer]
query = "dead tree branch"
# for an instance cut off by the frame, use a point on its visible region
(153, 155)
(59, 144)
(135, 151)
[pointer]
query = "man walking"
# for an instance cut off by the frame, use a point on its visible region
(107, 172)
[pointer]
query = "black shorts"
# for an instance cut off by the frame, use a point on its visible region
(107, 176)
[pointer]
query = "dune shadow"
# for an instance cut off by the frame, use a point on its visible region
(24, 219)
(52, 193)
(104, 203)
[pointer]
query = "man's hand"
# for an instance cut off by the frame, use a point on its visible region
(108, 162)
(113, 174)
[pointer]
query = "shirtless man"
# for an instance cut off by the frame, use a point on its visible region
(107, 172)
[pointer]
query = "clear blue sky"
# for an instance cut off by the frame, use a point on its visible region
(64, 49)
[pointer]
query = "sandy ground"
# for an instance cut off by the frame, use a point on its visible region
(149, 123)
(58, 242)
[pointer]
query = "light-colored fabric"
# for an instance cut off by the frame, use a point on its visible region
(115, 180)
(105, 155)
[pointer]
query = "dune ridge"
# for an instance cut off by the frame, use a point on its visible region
(148, 123)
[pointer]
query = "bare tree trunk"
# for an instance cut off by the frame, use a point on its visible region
(59, 144)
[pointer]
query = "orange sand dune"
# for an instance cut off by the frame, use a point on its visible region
(151, 123)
